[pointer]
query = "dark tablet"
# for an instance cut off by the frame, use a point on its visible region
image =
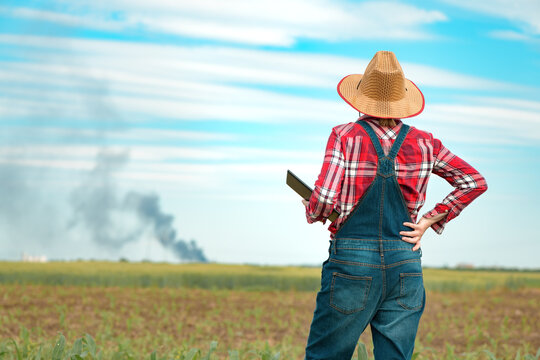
(305, 191)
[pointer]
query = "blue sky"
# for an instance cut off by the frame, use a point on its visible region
(203, 106)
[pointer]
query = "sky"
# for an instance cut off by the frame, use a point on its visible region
(163, 130)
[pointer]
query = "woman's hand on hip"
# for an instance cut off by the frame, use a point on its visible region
(414, 236)
(419, 229)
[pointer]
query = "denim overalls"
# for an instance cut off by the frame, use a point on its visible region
(371, 276)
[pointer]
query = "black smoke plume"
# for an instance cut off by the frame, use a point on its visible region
(148, 209)
(114, 221)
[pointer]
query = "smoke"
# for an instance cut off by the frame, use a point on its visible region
(148, 209)
(32, 208)
(113, 221)
(22, 224)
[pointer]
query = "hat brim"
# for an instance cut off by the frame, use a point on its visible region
(411, 105)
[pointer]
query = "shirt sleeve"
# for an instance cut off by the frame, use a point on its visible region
(466, 180)
(328, 185)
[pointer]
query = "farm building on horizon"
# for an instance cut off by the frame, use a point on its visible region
(33, 258)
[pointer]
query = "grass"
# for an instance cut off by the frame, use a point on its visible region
(166, 320)
(165, 311)
(86, 348)
(245, 277)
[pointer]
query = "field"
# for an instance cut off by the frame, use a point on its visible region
(134, 309)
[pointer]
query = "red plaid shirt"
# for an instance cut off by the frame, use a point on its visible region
(350, 165)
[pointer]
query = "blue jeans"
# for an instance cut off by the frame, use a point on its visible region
(377, 282)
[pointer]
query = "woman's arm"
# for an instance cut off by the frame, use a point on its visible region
(328, 185)
(468, 184)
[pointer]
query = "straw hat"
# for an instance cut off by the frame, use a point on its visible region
(382, 91)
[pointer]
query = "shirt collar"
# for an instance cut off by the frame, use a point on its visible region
(382, 132)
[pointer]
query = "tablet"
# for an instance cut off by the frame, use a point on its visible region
(305, 191)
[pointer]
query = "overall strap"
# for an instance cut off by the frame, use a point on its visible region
(377, 143)
(399, 140)
(374, 139)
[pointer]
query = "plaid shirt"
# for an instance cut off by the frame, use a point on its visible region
(350, 165)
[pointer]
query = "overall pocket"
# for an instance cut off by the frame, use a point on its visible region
(349, 293)
(411, 296)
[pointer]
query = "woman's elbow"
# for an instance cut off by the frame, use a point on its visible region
(481, 184)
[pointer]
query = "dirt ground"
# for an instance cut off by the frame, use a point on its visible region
(161, 319)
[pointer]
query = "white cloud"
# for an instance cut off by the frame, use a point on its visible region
(524, 13)
(254, 106)
(213, 169)
(509, 35)
(101, 79)
(261, 22)
(81, 59)
(514, 36)
(486, 123)
(508, 103)
(499, 121)
(120, 134)
(114, 80)
(59, 18)
(97, 80)
(155, 153)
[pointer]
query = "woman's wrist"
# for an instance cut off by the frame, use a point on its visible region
(427, 222)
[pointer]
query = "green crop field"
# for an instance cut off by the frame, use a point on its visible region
(108, 310)
(234, 277)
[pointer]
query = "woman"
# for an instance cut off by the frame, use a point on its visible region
(375, 174)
